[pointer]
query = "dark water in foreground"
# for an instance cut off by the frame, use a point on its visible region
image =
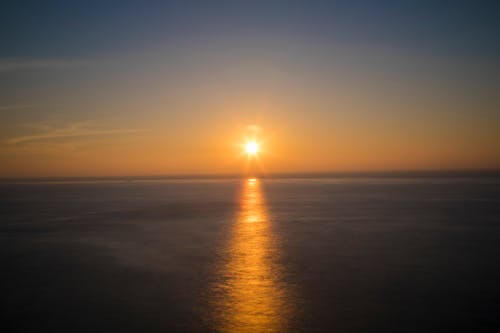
(316, 255)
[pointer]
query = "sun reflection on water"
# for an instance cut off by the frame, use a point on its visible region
(249, 295)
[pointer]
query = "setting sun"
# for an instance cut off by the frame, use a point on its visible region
(251, 148)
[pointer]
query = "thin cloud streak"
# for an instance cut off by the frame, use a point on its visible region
(71, 131)
(15, 107)
(9, 65)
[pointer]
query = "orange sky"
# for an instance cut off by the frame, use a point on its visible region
(214, 145)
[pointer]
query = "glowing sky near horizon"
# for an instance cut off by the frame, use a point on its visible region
(137, 88)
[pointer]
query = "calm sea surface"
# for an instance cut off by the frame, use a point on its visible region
(283, 255)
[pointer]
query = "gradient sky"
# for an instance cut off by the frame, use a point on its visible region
(91, 88)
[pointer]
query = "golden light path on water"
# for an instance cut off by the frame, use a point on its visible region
(249, 295)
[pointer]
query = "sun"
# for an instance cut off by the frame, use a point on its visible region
(251, 148)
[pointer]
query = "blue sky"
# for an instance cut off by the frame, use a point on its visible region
(80, 28)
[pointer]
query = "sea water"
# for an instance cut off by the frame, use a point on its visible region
(397, 254)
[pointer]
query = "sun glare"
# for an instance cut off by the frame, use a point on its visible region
(251, 148)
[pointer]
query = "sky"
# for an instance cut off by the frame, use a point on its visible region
(115, 88)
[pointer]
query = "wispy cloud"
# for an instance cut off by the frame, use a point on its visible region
(40, 147)
(9, 64)
(73, 130)
(15, 107)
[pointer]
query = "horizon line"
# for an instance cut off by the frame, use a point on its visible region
(447, 173)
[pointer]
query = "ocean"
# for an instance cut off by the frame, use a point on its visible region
(326, 254)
